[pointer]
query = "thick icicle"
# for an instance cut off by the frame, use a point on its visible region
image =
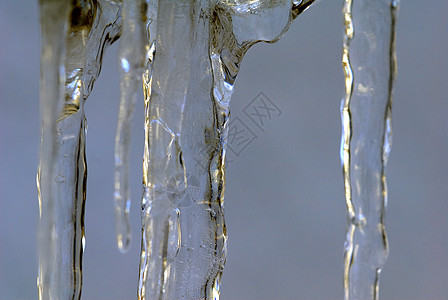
(198, 47)
(131, 62)
(53, 16)
(69, 32)
(369, 66)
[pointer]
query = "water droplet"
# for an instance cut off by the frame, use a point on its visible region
(60, 179)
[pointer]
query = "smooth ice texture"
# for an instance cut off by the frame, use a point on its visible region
(369, 65)
(74, 35)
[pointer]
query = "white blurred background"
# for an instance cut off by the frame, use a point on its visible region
(285, 206)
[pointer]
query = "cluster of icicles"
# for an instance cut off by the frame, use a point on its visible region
(186, 55)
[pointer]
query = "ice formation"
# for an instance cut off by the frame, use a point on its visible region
(74, 36)
(187, 55)
(369, 65)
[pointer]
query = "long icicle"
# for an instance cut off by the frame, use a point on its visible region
(62, 189)
(131, 62)
(74, 36)
(369, 65)
(198, 46)
(184, 240)
(51, 101)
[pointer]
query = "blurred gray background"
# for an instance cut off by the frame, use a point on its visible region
(285, 207)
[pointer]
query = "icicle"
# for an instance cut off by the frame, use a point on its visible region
(198, 47)
(369, 65)
(131, 62)
(53, 16)
(193, 56)
(68, 71)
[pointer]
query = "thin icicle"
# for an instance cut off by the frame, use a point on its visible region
(369, 66)
(131, 62)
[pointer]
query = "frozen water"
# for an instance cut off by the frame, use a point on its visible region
(202, 44)
(187, 55)
(74, 35)
(369, 67)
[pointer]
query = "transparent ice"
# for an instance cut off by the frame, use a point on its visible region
(369, 65)
(202, 44)
(186, 55)
(74, 35)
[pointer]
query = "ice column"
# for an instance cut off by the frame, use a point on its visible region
(195, 56)
(369, 66)
(74, 35)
